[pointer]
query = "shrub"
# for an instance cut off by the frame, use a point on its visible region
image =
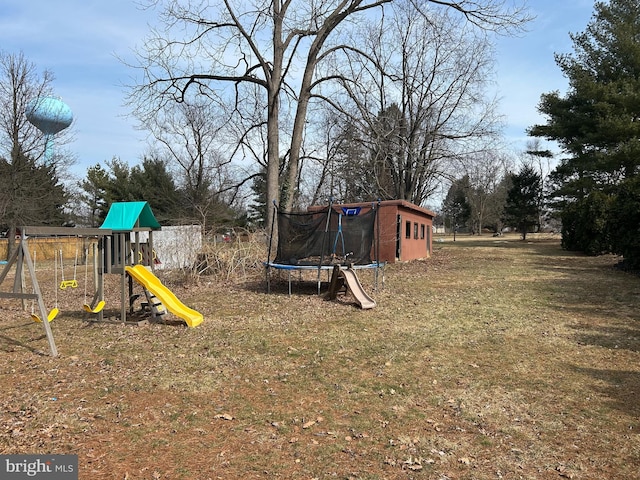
(585, 224)
(624, 222)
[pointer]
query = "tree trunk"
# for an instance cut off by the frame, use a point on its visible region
(11, 240)
(274, 79)
(296, 140)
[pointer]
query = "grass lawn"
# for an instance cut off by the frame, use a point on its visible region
(494, 359)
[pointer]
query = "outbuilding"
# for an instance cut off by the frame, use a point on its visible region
(405, 229)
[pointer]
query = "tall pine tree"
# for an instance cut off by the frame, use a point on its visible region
(522, 208)
(597, 124)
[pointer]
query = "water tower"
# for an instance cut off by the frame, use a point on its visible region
(50, 115)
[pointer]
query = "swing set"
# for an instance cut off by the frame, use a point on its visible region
(114, 252)
(21, 257)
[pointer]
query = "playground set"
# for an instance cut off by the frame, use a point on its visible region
(114, 251)
(336, 239)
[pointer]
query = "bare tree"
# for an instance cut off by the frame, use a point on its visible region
(243, 44)
(30, 190)
(336, 162)
(539, 158)
(416, 88)
(228, 50)
(186, 136)
(542, 161)
(486, 195)
(19, 85)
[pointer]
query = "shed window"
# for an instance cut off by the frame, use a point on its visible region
(407, 229)
(422, 231)
(415, 231)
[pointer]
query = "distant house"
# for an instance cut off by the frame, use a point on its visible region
(406, 230)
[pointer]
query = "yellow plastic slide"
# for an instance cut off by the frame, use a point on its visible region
(152, 283)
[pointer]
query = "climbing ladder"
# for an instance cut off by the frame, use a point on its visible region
(154, 305)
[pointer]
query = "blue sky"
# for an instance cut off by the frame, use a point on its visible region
(81, 42)
(526, 66)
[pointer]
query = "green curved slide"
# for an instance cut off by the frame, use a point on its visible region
(148, 280)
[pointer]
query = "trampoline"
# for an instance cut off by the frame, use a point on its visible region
(320, 239)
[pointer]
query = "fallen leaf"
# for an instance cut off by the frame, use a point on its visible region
(224, 416)
(562, 471)
(414, 464)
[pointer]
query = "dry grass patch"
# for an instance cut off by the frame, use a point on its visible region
(493, 359)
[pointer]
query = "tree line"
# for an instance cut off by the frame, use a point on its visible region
(251, 102)
(292, 102)
(594, 191)
(497, 198)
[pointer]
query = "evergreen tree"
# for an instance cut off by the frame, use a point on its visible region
(120, 188)
(150, 182)
(94, 194)
(596, 124)
(584, 224)
(623, 221)
(522, 208)
(456, 207)
(33, 193)
(153, 183)
(258, 209)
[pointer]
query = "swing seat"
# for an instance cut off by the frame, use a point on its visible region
(97, 309)
(68, 283)
(52, 314)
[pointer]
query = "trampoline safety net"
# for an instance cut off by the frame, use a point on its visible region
(332, 236)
